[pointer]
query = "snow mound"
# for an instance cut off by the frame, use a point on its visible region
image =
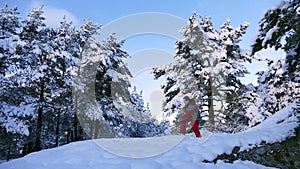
(188, 153)
(139, 147)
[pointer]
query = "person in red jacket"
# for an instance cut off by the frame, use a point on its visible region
(191, 114)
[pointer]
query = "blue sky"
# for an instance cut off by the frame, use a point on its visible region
(103, 12)
(140, 47)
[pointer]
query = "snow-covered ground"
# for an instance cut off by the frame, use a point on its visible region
(186, 151)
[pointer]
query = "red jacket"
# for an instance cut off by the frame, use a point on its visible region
(190, 111)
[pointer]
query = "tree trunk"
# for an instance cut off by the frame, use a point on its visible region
(9, 149)
(97, 127)
(211, 104)
(137, 130)
(39, 129)
(57, 128)
(80, 133)
(75, 122)
(68, 135)
(39, 118)
(92, 127)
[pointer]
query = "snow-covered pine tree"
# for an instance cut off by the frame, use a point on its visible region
(41, 73)
(15, 112)
(112, 71)
(47, 59)
(38, 71)
(207, 66)
(17, 108)
(112, 82)
(139, 114)
(180, 75)
(9, 41)
(137, 120)
(125, 111)
(246, 112)
(36, 67)
(66, 45)
(71, 43)
(84, 79)
(274, 89)
(10, 23)
(280, 28)
(252, 107)
(103, 70)
(227, 68)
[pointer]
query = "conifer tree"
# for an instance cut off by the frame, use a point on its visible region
(280, 28)
(276, 92)
(208, 65)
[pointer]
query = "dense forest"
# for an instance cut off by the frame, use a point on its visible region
(46, 81)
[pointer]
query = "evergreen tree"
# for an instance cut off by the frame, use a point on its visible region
(207, 67)
(10, 23)
(41, 90)
(13, 113)
(66, 45)
(9, 40)
(139, 114)
(38, 110)
(110, 83)
(40, 74)
(138, 118)
(276, 92)
(280, 28)
(246, 111)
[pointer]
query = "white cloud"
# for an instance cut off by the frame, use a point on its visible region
(54, 15)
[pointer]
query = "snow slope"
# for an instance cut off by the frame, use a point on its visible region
(187, 154)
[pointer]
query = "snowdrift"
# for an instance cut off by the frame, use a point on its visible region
(187, 154)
